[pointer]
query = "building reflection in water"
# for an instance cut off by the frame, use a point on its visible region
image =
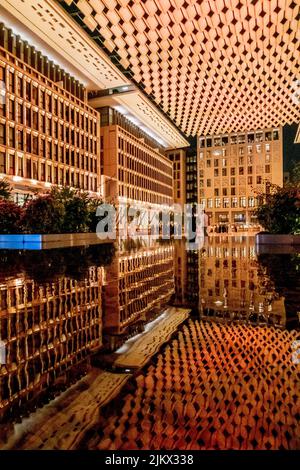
(54, 306)
(224, 280)
(139, 284)
(234, 286)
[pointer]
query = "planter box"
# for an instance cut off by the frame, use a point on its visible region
(44, 242)
(270, 239)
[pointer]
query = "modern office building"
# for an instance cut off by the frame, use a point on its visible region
(178, 157)
(135, 167)
(191, 177)
(48, 133)
(233, 169)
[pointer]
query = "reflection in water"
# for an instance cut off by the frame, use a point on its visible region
(58, 307)
(138, 286)
(234, 286)
(52, 319)
(226, 280)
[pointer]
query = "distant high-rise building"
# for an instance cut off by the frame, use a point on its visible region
(178, 157)
(233, 169)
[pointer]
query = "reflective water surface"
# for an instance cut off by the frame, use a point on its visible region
(60, 308)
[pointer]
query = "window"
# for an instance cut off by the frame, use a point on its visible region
(28, 168)
(209, 203)
(232, 191)
(258, 180)
(2, 162)
(20, 87)
(243, 201)
(35, 120)
(224, 172)
(250, 180)
(28, 91)
(35, 170)
(28, 117)
(208, 183)
(20, 166)
(251, 201)
(12, 137)
(11, 110)
(224, 191)
(216, 192)
(258, 148)
(11, 164)
(275, 135)
(217, 202)
(232, 171)
(216, 162)
(234, 202)
(232, 181)
(267, 169)
(241, 160)
(2, 134)
(11, 82)
(42, 171)
(35, 95)
(35, 148)
(216, 172)
(225, 202)
(28, 142)
(208, 163)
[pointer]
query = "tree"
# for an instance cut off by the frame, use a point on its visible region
(5, 189)
(10, 217)
(44, 214)
(279, 211)
(295, 173)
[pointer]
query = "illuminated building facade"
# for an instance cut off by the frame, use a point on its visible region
(47, 329)
(232, 284)
(135, 167)
(48, 133)
(233, 169)
(138, 286)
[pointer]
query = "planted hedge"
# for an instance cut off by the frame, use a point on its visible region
(61, 210)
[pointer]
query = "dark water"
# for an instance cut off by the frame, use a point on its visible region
(59, 307)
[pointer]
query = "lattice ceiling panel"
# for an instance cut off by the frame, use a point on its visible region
(212, 66)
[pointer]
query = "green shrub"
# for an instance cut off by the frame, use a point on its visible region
(10, 217)
(5, 189)
(280, 210)
(44, 214)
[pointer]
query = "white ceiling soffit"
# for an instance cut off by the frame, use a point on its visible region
(49, 21)
(56, 28)
(137, 108)
(214, 66)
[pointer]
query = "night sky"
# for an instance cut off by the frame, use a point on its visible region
(291, 151)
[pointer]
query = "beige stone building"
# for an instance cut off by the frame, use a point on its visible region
(48, 133)
(233, 169)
